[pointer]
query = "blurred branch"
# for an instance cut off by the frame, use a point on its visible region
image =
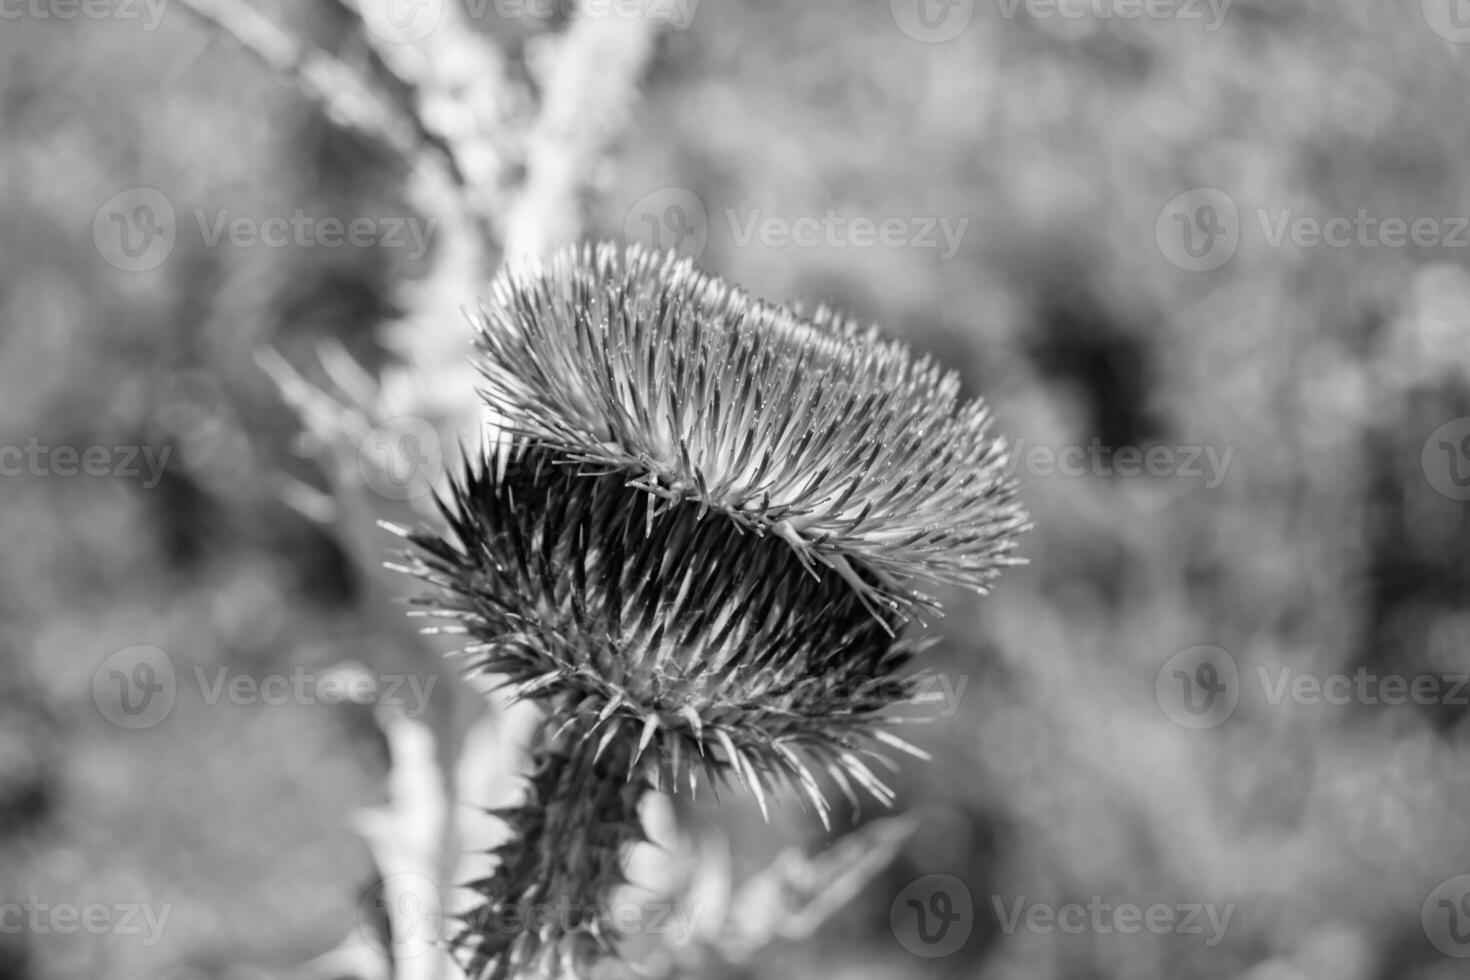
(588, 101)
(797, 893)
(328, 82)
(786, 902)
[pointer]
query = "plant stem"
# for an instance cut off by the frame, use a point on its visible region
(546, 908)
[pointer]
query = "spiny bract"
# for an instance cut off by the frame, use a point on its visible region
(693, 537)
(849, 447)
(708, 646)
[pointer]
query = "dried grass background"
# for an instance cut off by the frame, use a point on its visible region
(1324, 549)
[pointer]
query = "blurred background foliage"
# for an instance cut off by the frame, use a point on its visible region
(1058, 777)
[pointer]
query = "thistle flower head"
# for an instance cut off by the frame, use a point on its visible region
(695, 538)
(709, 648)
(850, 448)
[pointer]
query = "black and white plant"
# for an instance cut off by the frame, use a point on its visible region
(697, 538)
